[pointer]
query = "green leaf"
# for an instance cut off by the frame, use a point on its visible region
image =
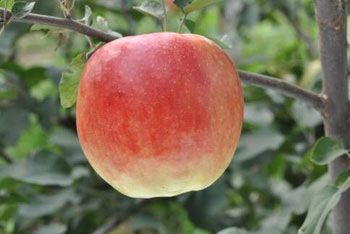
(323, 202)
(53, 228)
(146, 221)
(190, 25)
(115, 34)
(43, 169)
(305, 115)
(188, 6)
(203, 207)
(87, 15)
(8, 90)
(326, 150)
(182, 3)
(321, 205)
(253, 144)
(151, 8)
(42, 205)
(264, 118)
(102, 23)
(13, 120)
(68, 142)
(31, 139)
(21, 9)
(7, 213)
(341, 179)
(12, 198)
(223, 45)
(293, 202)
(70, 80)
(9, 3)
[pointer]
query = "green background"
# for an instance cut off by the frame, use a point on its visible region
(50, 188)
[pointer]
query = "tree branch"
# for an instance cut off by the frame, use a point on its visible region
(331, 19)
(284, 87)
(117, 220)
(250, 78)
(61, 23)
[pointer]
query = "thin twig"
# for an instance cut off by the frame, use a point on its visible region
(182, 23)
(117, 220)
(91, 43)
(61, 23)
(164, 20)
(284, 87)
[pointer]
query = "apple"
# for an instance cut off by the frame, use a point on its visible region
(159, 114)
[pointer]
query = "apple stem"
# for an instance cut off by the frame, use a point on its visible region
(164, 26)
(182, 23)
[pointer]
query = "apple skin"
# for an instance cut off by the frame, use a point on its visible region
(159, 114)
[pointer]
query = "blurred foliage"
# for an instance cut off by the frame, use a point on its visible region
(50, 188)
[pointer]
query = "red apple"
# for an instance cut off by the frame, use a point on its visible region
(159, 114)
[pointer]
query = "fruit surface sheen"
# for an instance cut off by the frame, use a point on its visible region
(159, 114)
